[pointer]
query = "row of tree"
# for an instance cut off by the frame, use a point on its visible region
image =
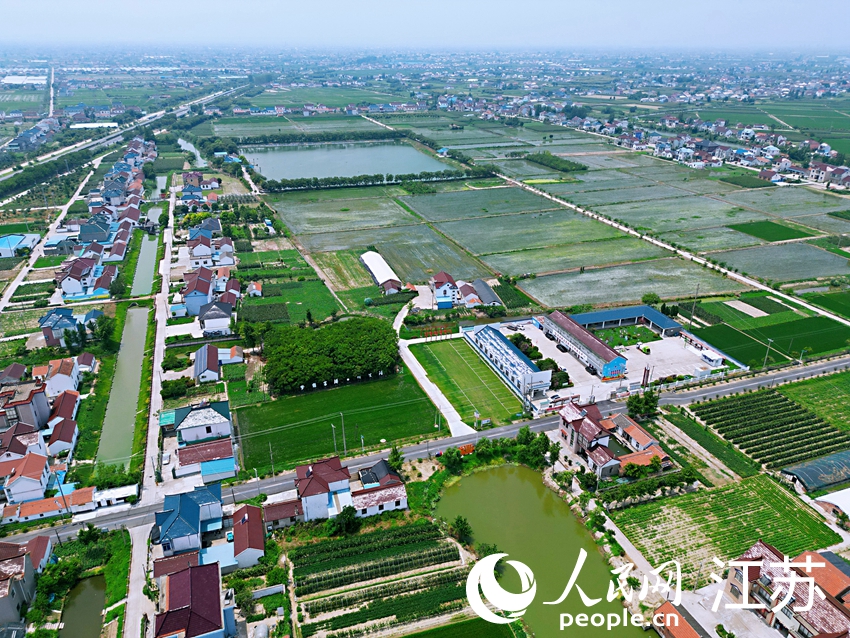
(322, 137)
(37, 173)
(298, 357)
(378, 179)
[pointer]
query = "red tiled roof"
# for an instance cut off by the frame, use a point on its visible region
(315, 479)
(681, 629)
(192, 454)
(248, 530)
(828, 577)
(37, 548)
(65, 404)
(192, 603)
(280, 511)
(442, 278)
(63, 431)
(172, 564)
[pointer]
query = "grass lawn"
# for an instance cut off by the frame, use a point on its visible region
(770, 231)
(50, 261)
(723, 522)
(344, 269)
(626, 335)
(816, 335)
(468, 383)
(827, 396)
(476, 628)
(299, 427)
(738, 345)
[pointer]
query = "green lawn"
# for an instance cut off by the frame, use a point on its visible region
(770, 231)
(738, 345)
(468, 383)
(50, 261)
(723, 522)
(299, 427)
(293, 300)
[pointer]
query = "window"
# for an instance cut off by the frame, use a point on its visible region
(363, 511)
(291, 519)
(166, 546)
(381, 507)
(805, 633)
(398, 503)
(735, 591)
(739, 576)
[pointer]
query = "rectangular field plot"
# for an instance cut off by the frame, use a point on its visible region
(468, 383)
(770, 231)
(299, 427)
(738, 345)
(815, 335)
(476, 203)
(624, 194)
(723, 522)
(704, 239)
(681, 213)
(248, 126)
(828, 397)
(531, 230)
(837, 302)
(414, 252)
(614, 180)
(669, 278)
(591, 253)
(785, 262)
(476, 628)
(521, 168)
(787, 201)
(289, 302)
(599, 162)
(344, 269)
(342, 214)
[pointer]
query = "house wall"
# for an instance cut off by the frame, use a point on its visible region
(183, 544)
(59, 383)
(249, 557)
(202, 432)
(284, 522)
(194, 301)
(208, 375)
(26, 489)
(216, 325)
(388, 507)
(315, 507)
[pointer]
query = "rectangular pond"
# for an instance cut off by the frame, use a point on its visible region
(82, 612)
(145, 267)
(116, 439)
(339, 160)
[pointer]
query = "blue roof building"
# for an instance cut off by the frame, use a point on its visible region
(630, 316)
(185, 517)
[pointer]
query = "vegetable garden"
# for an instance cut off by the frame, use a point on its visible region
(771, 428)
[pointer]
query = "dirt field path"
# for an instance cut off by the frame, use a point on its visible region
(717, 472)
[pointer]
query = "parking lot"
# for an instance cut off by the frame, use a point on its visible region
(668, 356)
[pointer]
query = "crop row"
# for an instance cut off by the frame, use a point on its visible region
(350, 599)
(354, 556)
(404, 608)
(328, 550)
(359, 572)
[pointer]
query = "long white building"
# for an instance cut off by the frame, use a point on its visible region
(381, 272)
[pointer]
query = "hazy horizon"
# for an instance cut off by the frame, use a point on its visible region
(545, 25)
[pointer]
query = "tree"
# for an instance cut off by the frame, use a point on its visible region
(148, 170)
(104, 328)
(554, 452)
(651, 299)
(484, 448)
(118, 287)
(163, 219)
(461, 529)
(655, 464)
(89, 534)
(452, 460)
(346, 522)
(395, 460)
(642, 405)
(524, 436)
(634, 471)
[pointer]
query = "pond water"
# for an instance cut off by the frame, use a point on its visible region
(161, 183)
(510, 507)
(339, 160)
(116, 439)
(200, 162)
(143, 280)
(82, 611)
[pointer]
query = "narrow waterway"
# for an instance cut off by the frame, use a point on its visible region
(510, 507)
(145, 267)
(116, 440)
(161, 183)
(82, 611)
(200, 162)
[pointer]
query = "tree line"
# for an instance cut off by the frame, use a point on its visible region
(378, 179)
(552, 161)
(348, 349)
(38, 173)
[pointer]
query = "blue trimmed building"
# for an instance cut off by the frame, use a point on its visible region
(633, 315)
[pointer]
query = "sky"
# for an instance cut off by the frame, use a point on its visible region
(438, 24)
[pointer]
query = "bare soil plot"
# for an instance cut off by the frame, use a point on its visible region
(342, 214)
(476, 203)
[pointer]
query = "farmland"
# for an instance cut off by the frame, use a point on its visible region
(290, 302)
(739, 345)
(770, 231)
(723, 522)
(828, 397)
(785, 262)
(344, 269)
(342, 215)
(299, 427)
(466, 381)
(476, 203)
(837, 302)
(409, 548)
(771, 428)
(669, 278)
(476, 628)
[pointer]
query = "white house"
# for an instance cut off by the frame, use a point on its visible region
(207, 366)
(205, 422)
(443, 285)
(60, 375)
(24, 479)
(181, 521)
(19, 440)
(214, 318)
(323, 488)
(63, 438)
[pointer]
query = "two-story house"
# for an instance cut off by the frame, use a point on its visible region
(323, 488)
(24, 479)
(193, 605)
(185, 517)
(60, 375)
(24, 402)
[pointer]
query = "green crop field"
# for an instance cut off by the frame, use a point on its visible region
(669, 278)
(296, 298)
(468, 383)
(785, 262)
(738, 345)
(299, 427)
(476, 203)
(815, 335)
(828, 397)
(705, 239)
(649, 192)
(723, 522)
(770, 231)
(771, 429)
(713, 444)
(837, 302)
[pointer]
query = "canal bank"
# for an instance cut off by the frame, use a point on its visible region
(509, 506)
(82, 614)
(200, 162)
(116, 439)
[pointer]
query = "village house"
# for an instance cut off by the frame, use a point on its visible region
(445, 290)
(185, 517)
(24, 402)
(19, 440)
(201, 422)
(193, 605)
(213, 460)
(249, 536)
(59, 375)
(24, 479)
(214, 318)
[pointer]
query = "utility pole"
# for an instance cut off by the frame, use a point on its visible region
(344, 446)
(362, 444)
(256, 476)
(769, 341)
(333, 427)
(272, 458)
(693, 308)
